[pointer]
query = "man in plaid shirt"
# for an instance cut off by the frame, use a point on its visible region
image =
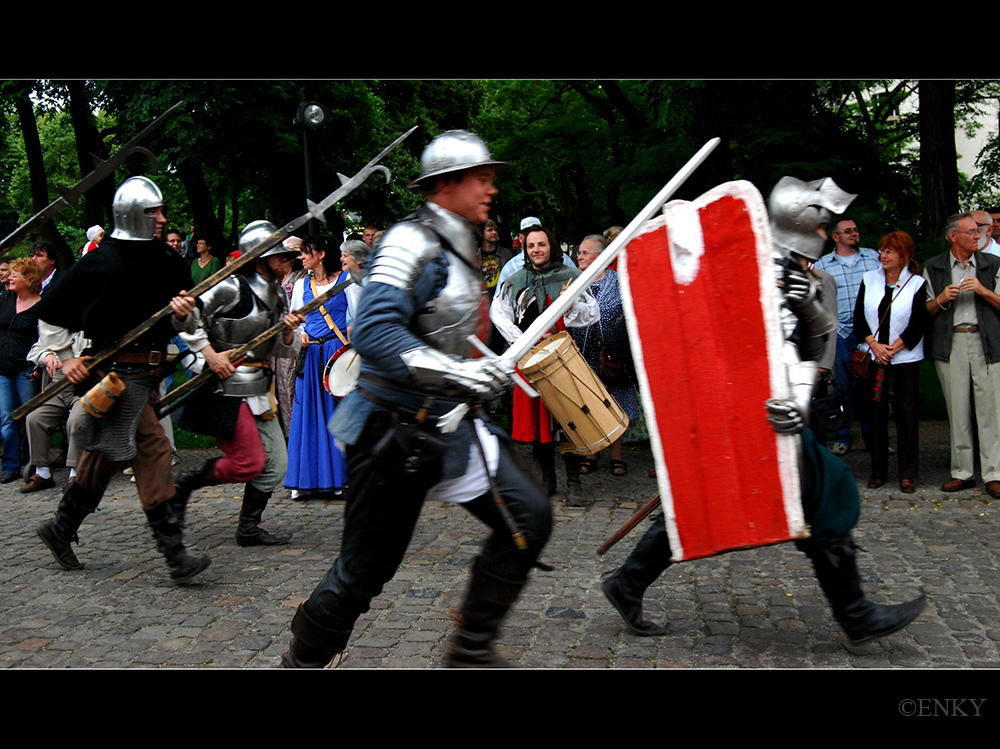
(847, 264)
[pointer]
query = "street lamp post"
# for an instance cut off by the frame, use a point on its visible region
(310, 116)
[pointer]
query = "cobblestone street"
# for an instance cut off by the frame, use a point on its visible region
(746, 610)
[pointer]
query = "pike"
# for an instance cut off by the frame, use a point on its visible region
(103, 169)
(581, 283)
(175, 398)
(636, 519)
(316, 210)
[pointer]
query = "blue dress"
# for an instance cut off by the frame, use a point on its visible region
(314, 462)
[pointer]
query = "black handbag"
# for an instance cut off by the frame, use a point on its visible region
(828, 407)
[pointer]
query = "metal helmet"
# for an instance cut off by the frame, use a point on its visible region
(797, 209)
(256, 232)
(453, 151)
(135, 196)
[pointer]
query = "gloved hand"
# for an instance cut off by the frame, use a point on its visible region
(786, 416)
(482, 378)
(799, 288)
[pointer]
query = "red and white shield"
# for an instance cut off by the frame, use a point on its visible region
(702, 308)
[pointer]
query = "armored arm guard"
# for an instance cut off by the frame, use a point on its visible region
(802, 295)
(480, 378)
(791, 415)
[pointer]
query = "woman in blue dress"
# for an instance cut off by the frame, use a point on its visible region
(315, 465)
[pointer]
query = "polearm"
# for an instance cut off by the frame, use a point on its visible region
(547, 319)
(103, 170)
(316, 210)
(636, 519)
(175, 398)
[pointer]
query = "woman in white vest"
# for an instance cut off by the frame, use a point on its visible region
(890, 318)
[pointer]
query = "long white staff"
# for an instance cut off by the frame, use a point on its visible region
(581, 283)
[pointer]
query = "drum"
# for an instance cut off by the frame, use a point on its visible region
(341, 373)
(574, 394)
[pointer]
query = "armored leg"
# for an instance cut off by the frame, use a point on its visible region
(837, 571)
(625, 587)
(170, 542)
(249, 532)
(59, 532)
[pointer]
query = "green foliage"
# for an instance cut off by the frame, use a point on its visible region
(585, 154)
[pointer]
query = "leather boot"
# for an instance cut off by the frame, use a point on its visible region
(312, 645)
(249, 532)
(59, 532)
(170, 543)
(625, 587)
(574, 489)
(486, 603)
(186, 482)
(837, 571)
(544, 454)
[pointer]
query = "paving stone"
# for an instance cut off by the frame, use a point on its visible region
(755, 609)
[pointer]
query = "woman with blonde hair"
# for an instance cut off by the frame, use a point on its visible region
(18, 332)
(890, 318)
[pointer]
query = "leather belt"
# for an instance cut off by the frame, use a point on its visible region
(966, 328)
(152, 358)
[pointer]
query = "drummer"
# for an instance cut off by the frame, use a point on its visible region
(516, 305)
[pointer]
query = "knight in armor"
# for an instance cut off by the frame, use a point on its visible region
(104, 296)
(236, 407)
(798, 213)
(413, 427)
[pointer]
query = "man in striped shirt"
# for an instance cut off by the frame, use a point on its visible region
(847, 264)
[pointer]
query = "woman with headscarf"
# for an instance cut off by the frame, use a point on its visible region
(518, 302)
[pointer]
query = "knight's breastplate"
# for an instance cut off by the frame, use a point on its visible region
(460, 309)
(240, 324)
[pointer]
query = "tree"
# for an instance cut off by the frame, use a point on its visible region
(938, 157)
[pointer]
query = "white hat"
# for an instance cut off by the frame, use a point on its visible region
(93, 231)
(529, 221)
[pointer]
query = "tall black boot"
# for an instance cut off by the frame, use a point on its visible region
(837, 571)
(486, 603)
(544, 454)
(186, 482)
(574, 490)
(249, 532)
(312, 645)
(625, 587)
(59, 532)
(170, 543)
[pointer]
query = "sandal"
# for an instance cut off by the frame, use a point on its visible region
(618, 468)
(589, 464)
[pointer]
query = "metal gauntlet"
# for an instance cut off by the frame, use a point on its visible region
(481, 378)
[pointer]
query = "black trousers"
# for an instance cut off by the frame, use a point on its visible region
(383, 504)
(904, 379)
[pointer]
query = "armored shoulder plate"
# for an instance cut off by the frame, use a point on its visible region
(221, 297)
(403, 251)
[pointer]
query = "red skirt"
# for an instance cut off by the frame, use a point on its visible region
(532, 422)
